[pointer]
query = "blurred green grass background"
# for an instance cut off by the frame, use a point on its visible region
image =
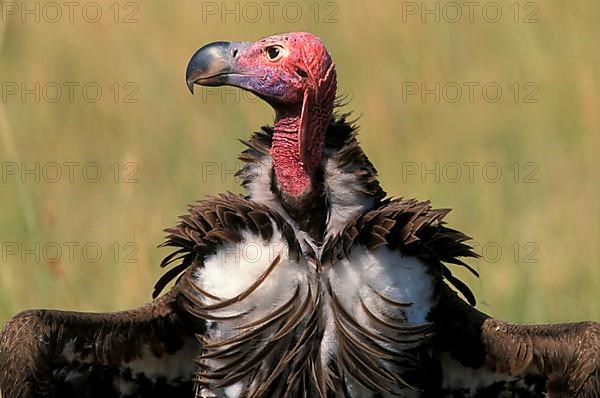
(171, 136)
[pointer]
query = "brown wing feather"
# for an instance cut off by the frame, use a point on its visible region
(566, 356)
(41, 349)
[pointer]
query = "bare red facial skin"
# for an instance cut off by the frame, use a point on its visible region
(301, 87)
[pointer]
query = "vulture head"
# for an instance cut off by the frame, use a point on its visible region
(294, 73)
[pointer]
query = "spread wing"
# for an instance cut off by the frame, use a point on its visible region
(148, 351)
(484, 354)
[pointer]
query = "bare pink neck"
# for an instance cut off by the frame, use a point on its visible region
(291, 174)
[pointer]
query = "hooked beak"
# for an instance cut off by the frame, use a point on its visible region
(215, 64)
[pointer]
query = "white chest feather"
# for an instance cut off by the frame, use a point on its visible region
(383, 274)
(264, 280)
(238, 266)
(267, 286)
(380, 291)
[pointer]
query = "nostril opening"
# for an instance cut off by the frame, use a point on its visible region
(301, 72)
(234, 52)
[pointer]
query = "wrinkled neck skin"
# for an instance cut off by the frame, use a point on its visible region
(292, 176)
(299, 187)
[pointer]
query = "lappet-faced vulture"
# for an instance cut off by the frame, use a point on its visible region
(315, 284)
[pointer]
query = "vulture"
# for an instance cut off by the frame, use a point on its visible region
(313, 284)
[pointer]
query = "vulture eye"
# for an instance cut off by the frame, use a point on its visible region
(274, 53)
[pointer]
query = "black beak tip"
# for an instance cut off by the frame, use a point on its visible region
(191, 73)
(190, 85)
